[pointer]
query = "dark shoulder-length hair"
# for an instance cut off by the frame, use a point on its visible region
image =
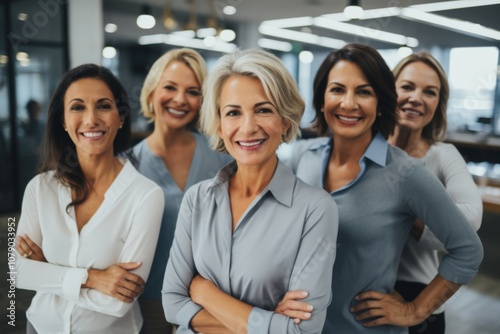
(59, 151)
(436, 129)
(378, 75)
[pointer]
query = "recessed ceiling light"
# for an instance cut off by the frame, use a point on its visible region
(109, 52)
(229, 10)
(227, 35)
(110, 28)
(306, 57)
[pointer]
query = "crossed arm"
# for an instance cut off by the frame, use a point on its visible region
(116, 281)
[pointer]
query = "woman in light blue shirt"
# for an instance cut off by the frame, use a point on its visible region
(255, 231)
(175, 156)
(380, 191)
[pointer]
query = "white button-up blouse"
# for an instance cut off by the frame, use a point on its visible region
(124, 229)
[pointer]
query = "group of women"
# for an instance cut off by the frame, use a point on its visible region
(310, 242)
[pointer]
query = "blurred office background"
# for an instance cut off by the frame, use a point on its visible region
(41, 39)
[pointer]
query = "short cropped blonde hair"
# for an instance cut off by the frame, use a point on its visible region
(278, 84)
(187, 56)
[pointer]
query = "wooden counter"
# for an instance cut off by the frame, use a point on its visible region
(491, 198)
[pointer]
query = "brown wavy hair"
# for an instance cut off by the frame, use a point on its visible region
(59, 151)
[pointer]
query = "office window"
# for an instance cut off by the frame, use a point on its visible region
(33, 57)
(472, 77)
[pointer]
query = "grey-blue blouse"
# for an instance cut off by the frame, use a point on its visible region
(205, 165)
(376, 212)
(285, 240)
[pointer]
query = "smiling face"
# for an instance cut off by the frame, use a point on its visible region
(91, 117)
(250, 124)
(350, 102)
(177, 98)
(418, 89)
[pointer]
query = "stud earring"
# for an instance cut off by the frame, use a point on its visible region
(151, 108)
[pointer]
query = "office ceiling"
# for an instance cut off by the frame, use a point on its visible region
(252, 12)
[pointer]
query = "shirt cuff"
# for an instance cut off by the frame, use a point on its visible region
(186, 313)
(73, 280)
(259, 321)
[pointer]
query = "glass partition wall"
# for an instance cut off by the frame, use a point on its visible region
(33, 57)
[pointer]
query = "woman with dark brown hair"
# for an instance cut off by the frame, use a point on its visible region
(380, 191)
(89, 222)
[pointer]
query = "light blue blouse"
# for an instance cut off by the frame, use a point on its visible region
(206, 163)
(376, 212)
(285, 240)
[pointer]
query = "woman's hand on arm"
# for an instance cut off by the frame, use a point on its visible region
(231, 312)
(392, 309)
(117, 281)
(29, 249)
(292, 307)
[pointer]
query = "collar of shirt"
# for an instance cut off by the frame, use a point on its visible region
(376, 152)
(280, 186)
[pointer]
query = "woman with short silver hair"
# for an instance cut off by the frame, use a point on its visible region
(255, 231)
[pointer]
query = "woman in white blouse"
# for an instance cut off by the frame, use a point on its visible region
(89, 222)
(423, 92)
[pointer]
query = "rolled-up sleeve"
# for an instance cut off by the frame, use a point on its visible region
(447, 223)
(457, 180)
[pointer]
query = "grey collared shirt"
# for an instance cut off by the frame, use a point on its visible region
(285, 240)
(377, 210)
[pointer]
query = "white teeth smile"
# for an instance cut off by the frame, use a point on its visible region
(348, 119)
(252, 143)
(92, 134)
(177, 112)
(412, 113)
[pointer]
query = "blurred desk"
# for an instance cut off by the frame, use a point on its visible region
(476, 147)
(491, 198)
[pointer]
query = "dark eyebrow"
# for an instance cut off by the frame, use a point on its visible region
(75, 99)
(106, 99)
(99, 101)
(342, 85)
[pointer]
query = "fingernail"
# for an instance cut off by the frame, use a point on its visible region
(310, 307)
(307, 315)
(297, 321)
(304, 293)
